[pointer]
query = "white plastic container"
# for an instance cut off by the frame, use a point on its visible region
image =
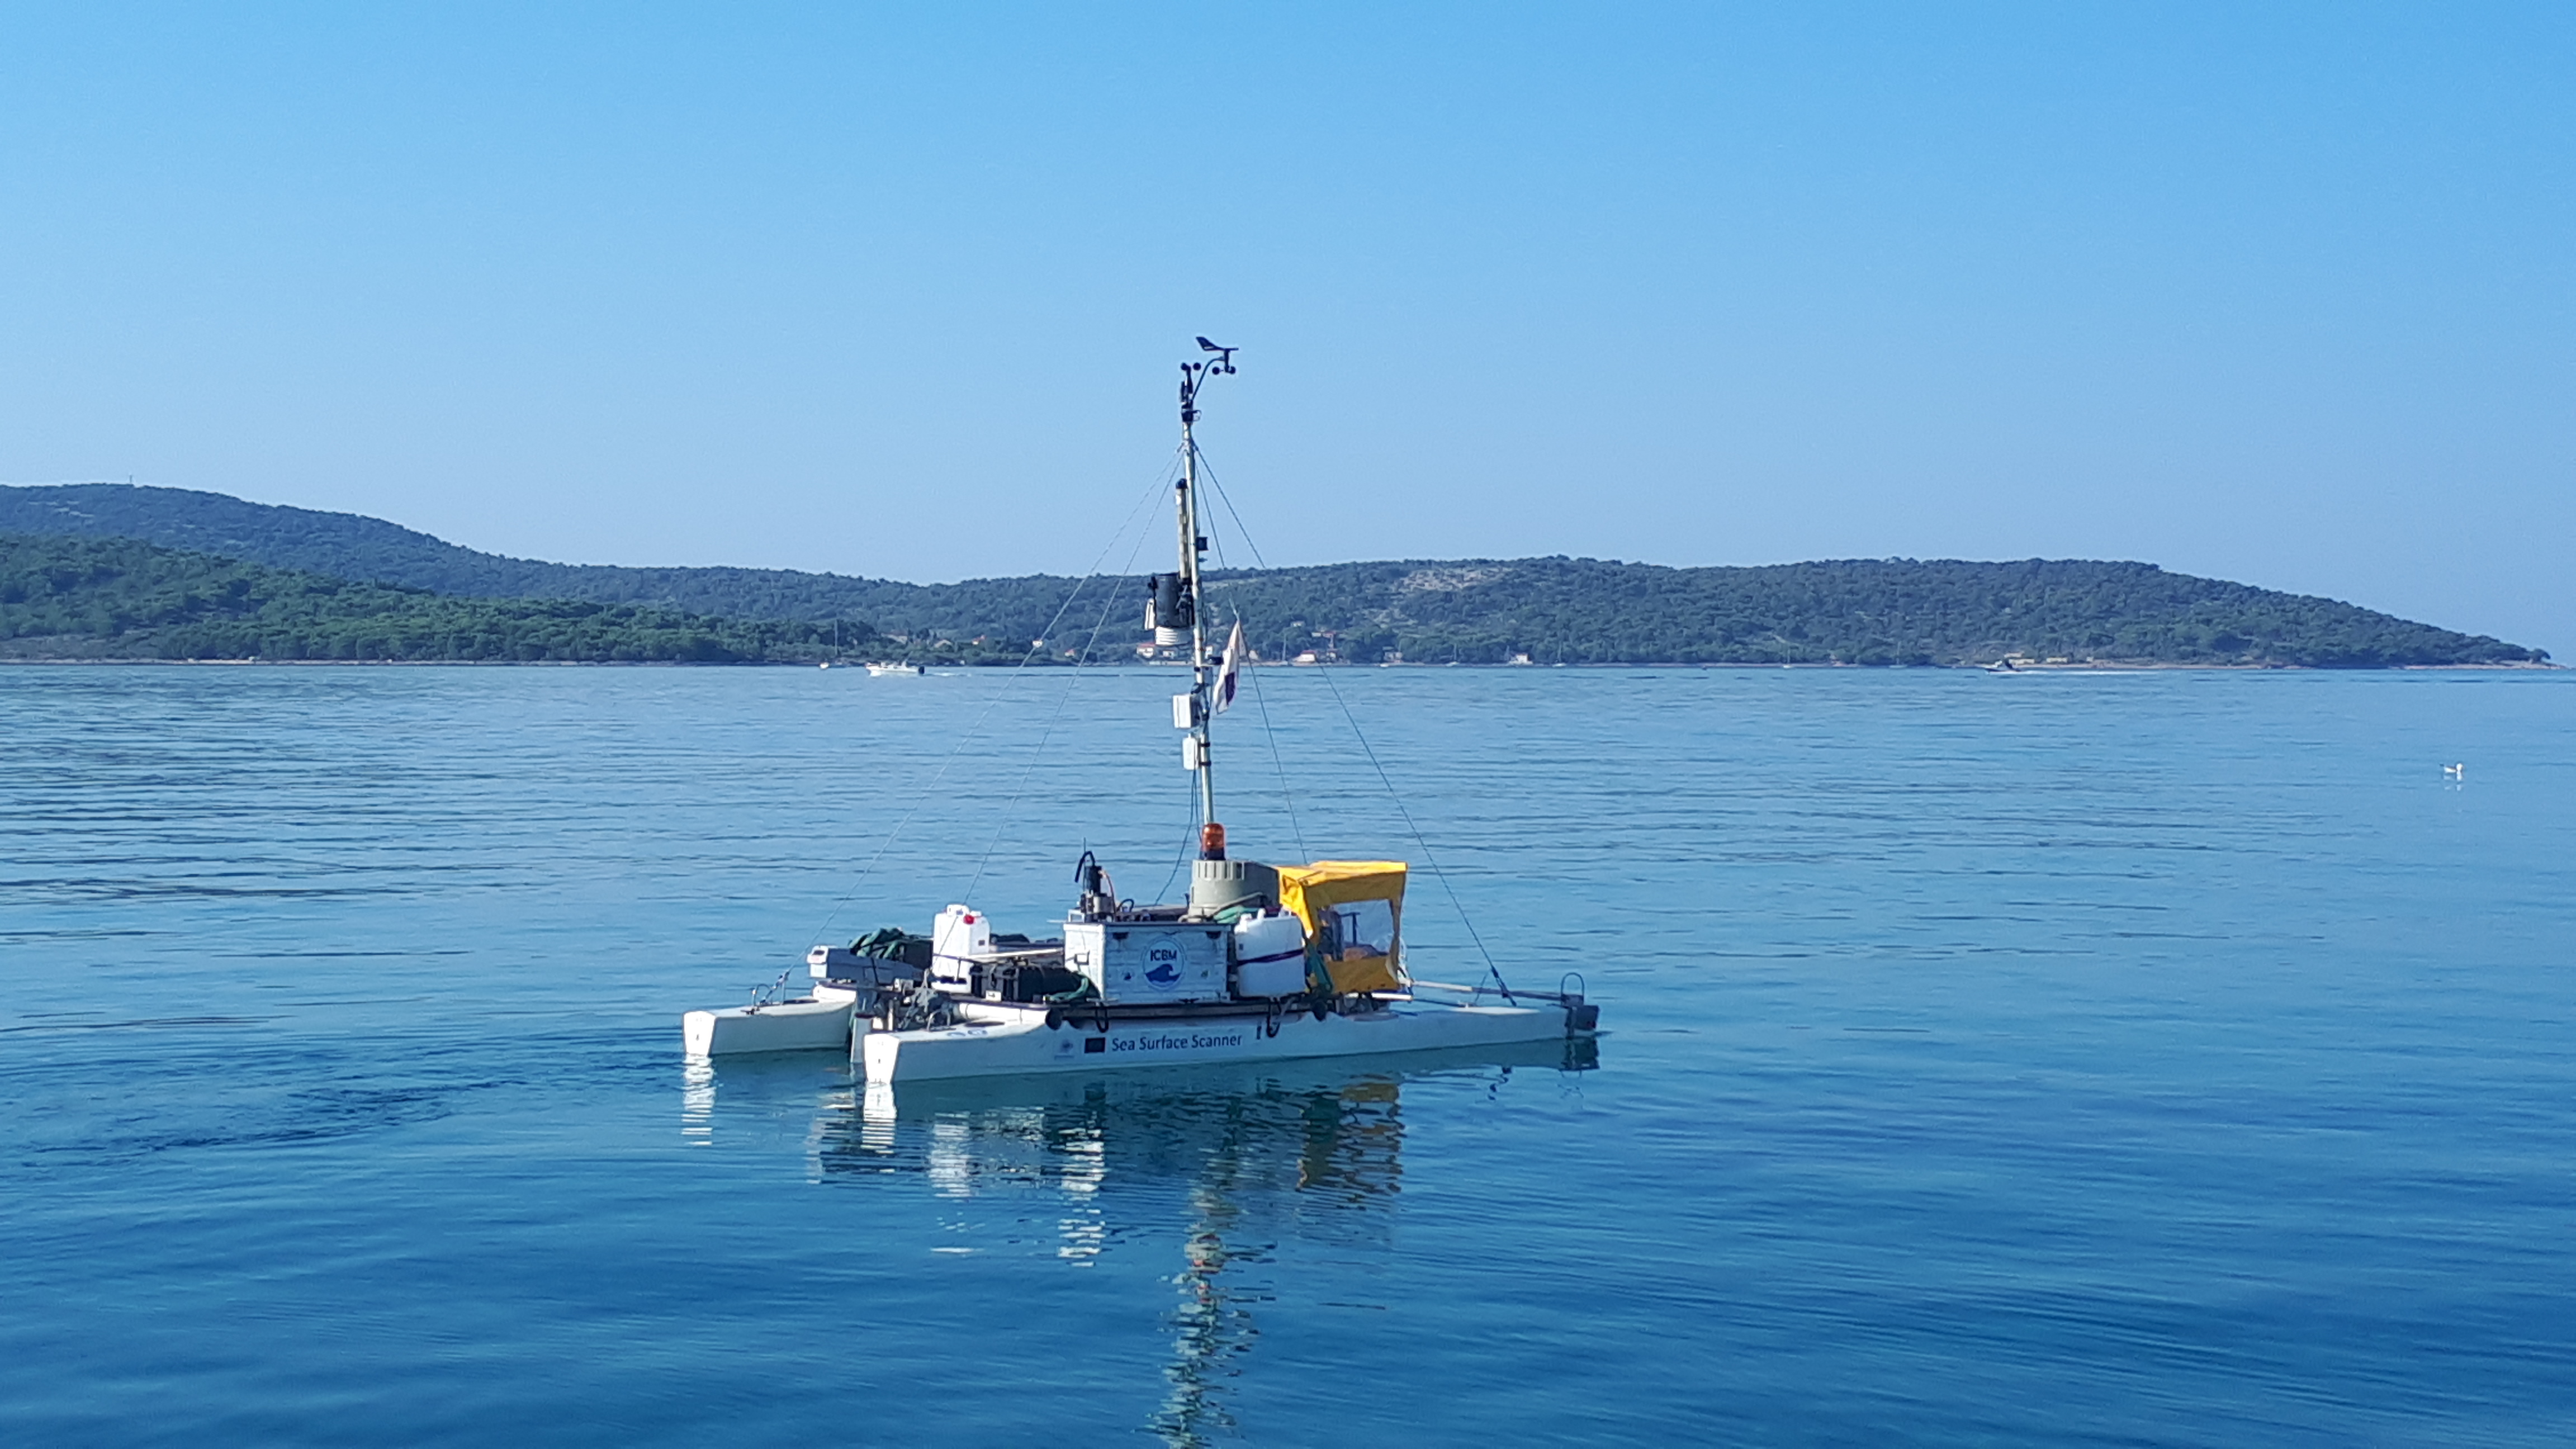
(1269, 955)
(959, 935)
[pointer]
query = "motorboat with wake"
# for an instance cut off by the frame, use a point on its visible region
(1259, 962)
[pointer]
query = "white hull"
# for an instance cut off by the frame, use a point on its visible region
(818, 1023)
(1006, 1041)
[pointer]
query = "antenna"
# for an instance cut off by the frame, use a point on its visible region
(1194, 375)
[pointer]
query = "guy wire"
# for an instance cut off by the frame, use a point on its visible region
(1361, 735)
(1269, 734)
(923, 798)
(1062, 698)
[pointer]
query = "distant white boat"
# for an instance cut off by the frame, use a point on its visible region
(881, 670)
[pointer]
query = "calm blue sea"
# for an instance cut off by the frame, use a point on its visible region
(2171, 1059)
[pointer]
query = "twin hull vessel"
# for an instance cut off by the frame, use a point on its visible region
(1230, 976)
(1260, 963)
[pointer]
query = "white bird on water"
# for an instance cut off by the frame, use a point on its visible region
(2455, 772)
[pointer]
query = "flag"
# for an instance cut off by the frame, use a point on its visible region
(1226, 667)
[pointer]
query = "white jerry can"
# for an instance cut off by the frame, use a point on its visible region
(959, 935)
(1269, 954)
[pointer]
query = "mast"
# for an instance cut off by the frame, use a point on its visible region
(1202, 696)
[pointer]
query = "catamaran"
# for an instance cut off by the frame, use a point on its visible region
(1261, 961)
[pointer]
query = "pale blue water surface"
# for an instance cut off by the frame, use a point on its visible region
(2165, 1058)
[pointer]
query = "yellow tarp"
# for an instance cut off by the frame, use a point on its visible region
(1322, 893)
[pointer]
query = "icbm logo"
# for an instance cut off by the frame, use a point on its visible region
(1167, 965)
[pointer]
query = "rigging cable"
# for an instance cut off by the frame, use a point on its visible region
(1277, 763)
(1269, 733)
(972, 730)
(1357, 733)
(1188, 843)
(1428, 858)
(1061, 699)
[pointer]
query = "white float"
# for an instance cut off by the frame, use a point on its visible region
(997, 1040)
(820, 1022)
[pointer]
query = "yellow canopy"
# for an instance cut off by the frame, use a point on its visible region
(1354, 916)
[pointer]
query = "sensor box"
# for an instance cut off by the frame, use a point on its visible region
(1130, 961)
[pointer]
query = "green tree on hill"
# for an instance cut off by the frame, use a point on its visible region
(1554, 610)
(116, 598)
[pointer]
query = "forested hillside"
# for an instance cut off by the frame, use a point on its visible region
(1858, 611)
(350, 546)
(1554, 610)
(114, 598)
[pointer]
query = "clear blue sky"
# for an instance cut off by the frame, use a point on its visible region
(2277, 292)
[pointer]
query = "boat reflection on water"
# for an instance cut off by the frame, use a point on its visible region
(1233, 1160)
